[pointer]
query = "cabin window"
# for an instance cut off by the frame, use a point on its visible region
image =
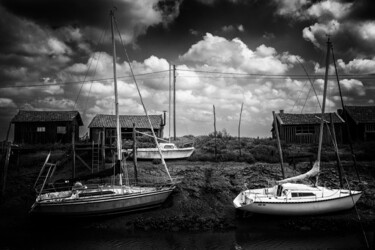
(61, 130)
(168, 147)
(302, 194)
(305, 129)
(41, 129)
(370, 128)
(279, 190)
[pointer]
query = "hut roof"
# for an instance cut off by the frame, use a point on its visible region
(361, 114)
(300, 119)
(47, 116)
(126, 121)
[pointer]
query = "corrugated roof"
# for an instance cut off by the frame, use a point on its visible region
(297, 119)
(126, 121)
(361, 114)
(47, 116)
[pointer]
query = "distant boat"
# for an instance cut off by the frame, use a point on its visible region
(97, 199)
(169, 151)
(299, 199)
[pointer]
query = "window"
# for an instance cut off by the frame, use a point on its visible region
(370, 128)
(41, 129)
(305, 129)
(302, 194)
(61, 130)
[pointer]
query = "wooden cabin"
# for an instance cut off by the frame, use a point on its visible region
(42, 127)
(304, 128)
(361, 121)
(106, 124)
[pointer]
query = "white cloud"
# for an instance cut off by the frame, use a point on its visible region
(354, 86)
(234, 55)
(240, 28)
(319, 30)
(331, 8)
(357, 66)
(7, 103)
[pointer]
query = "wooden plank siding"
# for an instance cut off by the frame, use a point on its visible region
(289, 135)
(28, 133)
(42, 127)
(305, 128)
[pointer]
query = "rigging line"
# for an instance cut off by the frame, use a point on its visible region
(83, 82)
(141, 99)
(311, 83)
(87, 73)
(96, 67)
(299, 95)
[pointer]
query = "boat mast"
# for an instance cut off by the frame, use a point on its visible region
(323, 106)
(118, 128)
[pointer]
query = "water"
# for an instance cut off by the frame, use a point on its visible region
(115, 234)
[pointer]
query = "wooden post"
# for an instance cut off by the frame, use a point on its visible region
(6, 164)
(279, 144)
(174, 102)
(334, 141)
(215, 132)
(239, 129)
(73, 152)
(103, 148)
(135, 155)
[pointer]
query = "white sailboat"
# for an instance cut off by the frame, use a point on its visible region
(169, 150)
(288, 198)
(99, 199)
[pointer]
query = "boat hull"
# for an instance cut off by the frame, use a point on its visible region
(106, 204)
(287, 207)
(153, 153)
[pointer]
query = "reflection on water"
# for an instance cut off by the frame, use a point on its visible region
(116, 234)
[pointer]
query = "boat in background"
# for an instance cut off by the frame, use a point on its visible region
(288, 198)
(169, 150)
(83, 199)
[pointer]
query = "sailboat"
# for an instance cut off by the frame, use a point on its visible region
(99, 199)
(169, 150)
(289, 198)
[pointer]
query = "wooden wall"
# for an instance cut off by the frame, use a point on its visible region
(289, 135)
(26, 132)
(110, 134)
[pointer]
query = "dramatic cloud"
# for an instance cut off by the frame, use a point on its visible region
(354, 37)
(234, 56)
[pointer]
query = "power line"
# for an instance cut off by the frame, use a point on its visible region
(78, 82)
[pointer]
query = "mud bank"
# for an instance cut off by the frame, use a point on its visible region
(203, 199)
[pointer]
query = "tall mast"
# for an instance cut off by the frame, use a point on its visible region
(118, 128)
(314, 171)
(323, 104)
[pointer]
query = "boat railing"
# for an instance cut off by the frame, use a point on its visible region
(109, 181)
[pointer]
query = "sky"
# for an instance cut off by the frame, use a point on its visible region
(268, 55)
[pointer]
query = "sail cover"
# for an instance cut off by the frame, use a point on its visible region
(314, 171)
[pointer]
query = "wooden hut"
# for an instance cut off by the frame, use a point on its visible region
(304, 128)
(361, 121)
(41, 127)
(106, 125)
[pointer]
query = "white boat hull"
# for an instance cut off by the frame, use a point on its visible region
(257, 201)
(153, 153)
(104, 204)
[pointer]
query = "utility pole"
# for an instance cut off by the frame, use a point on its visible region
(169, 103)
(174, 102)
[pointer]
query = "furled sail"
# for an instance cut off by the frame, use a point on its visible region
(314, 171)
